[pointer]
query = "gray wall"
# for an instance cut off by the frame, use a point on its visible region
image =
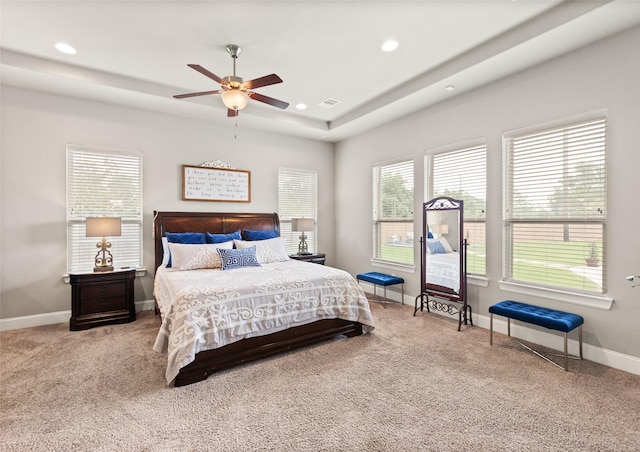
(36, 128)
(604, 75)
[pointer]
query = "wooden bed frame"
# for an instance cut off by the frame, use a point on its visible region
(245, 350)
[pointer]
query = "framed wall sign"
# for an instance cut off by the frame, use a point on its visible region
(215, 184)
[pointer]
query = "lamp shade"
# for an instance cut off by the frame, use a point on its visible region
(103, 227)
(235, 99)
(302, 224)
(444, 229)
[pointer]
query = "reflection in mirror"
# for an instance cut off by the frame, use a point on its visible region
(443, 260)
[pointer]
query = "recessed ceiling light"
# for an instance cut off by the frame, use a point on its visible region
(65, 48)
(301, 106)
(390, 45)
(449, 87)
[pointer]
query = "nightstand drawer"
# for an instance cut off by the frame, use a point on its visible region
(102, 297)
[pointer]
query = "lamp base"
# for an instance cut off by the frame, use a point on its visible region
(304, 254)
(106, 268)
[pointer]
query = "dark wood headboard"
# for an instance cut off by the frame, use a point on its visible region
(213, 222)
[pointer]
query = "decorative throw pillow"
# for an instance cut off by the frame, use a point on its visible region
(435, 247)
(233, 258)
(445, 245)
(221, 238)
(429, 235)
(248, 234)
(267, 251)
(183, 237)
(195, 256)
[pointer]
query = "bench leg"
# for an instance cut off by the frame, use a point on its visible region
(566, 355)
(491, 329)
(566, 345)
(580, 339)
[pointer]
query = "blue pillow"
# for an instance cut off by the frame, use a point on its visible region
(221, 238)
(195, 238)
(248, 234)
(429, 235)
(238, 258)
(436, 247)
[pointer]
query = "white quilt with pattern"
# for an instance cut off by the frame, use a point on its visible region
(209, 308)
(444, 270)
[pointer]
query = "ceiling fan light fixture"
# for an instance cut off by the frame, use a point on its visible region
(235, 91)
(235, 99)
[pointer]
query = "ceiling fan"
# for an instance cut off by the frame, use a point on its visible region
(235, 92)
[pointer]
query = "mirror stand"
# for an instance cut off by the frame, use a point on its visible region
(443, 261)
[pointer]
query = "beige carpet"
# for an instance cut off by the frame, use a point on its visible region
(414, 384)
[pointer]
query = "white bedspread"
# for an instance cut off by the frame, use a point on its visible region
(207, 309)
(444, 270)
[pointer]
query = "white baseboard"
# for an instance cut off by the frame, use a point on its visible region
(599, 355)
(553, 341)
(49, 318)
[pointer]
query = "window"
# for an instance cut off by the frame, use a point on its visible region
(555, 207)
(297, 198)
(103, 182)
(462, 174)
(393, 213)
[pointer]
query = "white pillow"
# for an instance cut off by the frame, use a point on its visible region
(267, 251)
(165, 252)
(185, 256)
(446, 245)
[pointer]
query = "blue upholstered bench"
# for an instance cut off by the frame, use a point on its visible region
(536, 315)
(381, 279)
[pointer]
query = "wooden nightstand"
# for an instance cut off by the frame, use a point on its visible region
(315, 258)
(101, 299)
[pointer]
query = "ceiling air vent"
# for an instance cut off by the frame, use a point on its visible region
(329, 103)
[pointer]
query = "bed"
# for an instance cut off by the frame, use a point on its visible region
(214, 319)
(443, 271)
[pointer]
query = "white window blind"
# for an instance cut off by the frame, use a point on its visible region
(393, 240)
(555, 208)
(462, 174)
(297, 198)
(103, 182)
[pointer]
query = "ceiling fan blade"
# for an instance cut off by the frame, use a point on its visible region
(268, 100)
(267, 80)
(231, 112)
(202, 93)
(206, 72)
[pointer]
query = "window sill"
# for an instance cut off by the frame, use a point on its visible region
(139, 272)
(480, 281)
(592, 301)
(393, 266)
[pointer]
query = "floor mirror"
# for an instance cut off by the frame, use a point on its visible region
(443, 260)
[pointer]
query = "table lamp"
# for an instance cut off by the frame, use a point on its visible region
(103, 227)
(302, 225)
